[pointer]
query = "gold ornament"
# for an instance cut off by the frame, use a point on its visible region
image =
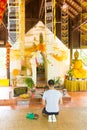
(76, 55)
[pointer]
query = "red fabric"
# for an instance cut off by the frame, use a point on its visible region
(2, 8)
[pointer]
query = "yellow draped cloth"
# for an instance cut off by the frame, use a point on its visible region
(78, 70)
(75, 85)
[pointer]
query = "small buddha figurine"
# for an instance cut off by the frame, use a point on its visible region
(76, 55)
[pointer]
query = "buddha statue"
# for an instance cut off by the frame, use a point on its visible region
(77, 67)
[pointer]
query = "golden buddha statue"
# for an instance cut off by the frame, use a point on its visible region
(77, 66)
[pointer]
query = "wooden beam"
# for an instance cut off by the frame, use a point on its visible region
(42, 9)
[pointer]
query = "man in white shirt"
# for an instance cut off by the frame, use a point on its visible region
(50, 100)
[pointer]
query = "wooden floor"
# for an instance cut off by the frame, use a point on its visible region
(73, 114)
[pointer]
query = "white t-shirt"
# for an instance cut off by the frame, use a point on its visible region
(52, 98)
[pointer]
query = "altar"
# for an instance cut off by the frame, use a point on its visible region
(75, 85)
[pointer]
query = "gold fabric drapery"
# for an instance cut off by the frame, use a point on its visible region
(75, 85)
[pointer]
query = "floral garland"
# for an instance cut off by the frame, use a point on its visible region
(15, 72)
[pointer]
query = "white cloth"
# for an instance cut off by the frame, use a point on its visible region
(52, 98)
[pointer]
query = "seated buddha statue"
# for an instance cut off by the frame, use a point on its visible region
(77, 67)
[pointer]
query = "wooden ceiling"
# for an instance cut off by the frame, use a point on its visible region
(75, 9)
(74, 6)
(35, 10)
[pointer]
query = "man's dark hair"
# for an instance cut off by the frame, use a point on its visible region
(51, 82)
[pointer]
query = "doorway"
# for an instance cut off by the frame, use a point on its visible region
(40, 70)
